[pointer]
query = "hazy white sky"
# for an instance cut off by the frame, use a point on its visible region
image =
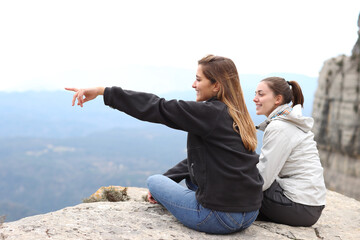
(48, 44)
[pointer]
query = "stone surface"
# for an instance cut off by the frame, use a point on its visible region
(137, 219)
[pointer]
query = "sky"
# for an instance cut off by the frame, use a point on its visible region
(48, 45)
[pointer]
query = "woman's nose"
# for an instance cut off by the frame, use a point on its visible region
(193, 85)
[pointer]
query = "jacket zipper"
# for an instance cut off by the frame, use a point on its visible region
(192, 169)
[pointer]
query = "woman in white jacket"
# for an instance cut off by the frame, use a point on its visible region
(294, 189)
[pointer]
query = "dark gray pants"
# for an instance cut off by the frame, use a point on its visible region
(278, 208)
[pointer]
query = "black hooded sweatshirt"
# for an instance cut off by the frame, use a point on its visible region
(217, 161)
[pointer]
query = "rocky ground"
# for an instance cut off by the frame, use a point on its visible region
(138, 219)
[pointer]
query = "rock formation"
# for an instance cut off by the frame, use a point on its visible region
(356, 49)
(137, 219)
(336, 112)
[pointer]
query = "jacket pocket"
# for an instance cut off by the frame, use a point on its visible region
(197, 165)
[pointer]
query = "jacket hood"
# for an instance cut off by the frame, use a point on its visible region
(292, 115)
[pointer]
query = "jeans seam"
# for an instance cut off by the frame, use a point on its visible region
(251, 219)
(179, 206)
(223, 223)
(205, 220)
(234, 221)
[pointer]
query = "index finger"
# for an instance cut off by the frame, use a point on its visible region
(72, 89)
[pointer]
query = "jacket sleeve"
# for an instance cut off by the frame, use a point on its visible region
(274, 153)
(179, 172)
(195, 117)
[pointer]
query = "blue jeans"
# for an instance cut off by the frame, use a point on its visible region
(182, 203)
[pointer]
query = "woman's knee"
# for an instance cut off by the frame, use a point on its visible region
(153, 180)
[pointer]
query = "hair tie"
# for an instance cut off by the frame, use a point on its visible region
(288, 83)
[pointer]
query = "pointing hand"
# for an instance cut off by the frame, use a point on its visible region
(85, 94)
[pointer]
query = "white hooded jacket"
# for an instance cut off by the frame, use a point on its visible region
(289, 155)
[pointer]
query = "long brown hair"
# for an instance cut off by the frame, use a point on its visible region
(223, 70)
(282, 87)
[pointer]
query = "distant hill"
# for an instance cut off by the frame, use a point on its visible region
(53, 155)
(46, 174)
(49, 114)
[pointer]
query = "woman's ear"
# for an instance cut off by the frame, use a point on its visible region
(279, 100)
(217, 86)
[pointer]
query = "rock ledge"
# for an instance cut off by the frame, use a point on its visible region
(137, 219)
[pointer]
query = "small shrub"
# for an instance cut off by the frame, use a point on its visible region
(108, 194)
(2, 220)
(113, 195)
(92, 199)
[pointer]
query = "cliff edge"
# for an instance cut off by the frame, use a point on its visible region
(137, 219)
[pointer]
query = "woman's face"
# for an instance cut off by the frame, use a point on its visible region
(203, 86)
(265, 99)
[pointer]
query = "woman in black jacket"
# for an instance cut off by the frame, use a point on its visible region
(225, 187)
